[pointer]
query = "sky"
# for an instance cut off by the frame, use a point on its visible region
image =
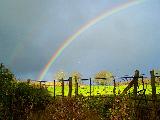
(32, 30)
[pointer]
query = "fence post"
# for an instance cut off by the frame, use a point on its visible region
(62, 87)
(153, 85)
(153, 91)
(70, 87)
(54, 90)
(133, 82)
(90, 84)
(114, 89)
(136, 76)
(70, 113)
(76, 86)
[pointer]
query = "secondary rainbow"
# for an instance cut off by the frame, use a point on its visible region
(70, 39)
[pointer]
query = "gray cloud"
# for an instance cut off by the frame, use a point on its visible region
(31, 32)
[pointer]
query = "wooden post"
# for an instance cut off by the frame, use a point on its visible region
(153, 91)
(62, 87)
(114, 89)
(54, 90)
(76, 86)
(90, 83)
(133, 82)
(136, 76)
(153, 85)
(70, 87)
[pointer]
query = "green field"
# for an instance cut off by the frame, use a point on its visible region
(99, 90)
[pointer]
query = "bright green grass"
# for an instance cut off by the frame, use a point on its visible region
(99, 90)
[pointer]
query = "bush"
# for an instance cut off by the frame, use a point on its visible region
(67, 109)
(7, 81)
(27, 99)
(18, 99)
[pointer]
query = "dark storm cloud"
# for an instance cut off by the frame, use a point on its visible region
(32, 30)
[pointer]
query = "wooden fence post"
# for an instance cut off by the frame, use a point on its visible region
(62, 87)
(76, 86)
(136, 76)
(153, 91)
(90, 83)
(54, 90)
(114, 89)
(70, 87)
(153, 85)
(133, 82)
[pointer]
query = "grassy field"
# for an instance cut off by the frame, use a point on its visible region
(99, 90)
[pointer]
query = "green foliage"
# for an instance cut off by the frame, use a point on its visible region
(18, 99)
(28, 98)
(7, 81)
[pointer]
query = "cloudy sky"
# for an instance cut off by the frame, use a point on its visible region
(32, 30)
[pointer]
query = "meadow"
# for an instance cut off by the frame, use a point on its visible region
(99, 90)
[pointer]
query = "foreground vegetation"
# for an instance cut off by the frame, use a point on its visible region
(18, 99)
(22, 101)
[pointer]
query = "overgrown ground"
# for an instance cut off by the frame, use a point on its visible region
(96, 108)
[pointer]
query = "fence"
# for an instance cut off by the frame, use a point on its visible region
(131, 85)
(142, 90)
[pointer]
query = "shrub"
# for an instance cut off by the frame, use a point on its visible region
(18, 99)
(67, 109)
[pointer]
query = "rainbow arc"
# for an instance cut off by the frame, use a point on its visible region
(82, 29)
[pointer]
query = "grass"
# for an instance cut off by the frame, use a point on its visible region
(99, 90)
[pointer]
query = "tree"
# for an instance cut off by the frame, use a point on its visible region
(76, 77)
(6, 75)
(103, 77)
(60, 75)
(7, 81)
(18, 99)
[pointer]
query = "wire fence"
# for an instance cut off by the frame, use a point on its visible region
(144, 91)
(131, 85)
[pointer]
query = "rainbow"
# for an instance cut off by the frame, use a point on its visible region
(83, 28)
